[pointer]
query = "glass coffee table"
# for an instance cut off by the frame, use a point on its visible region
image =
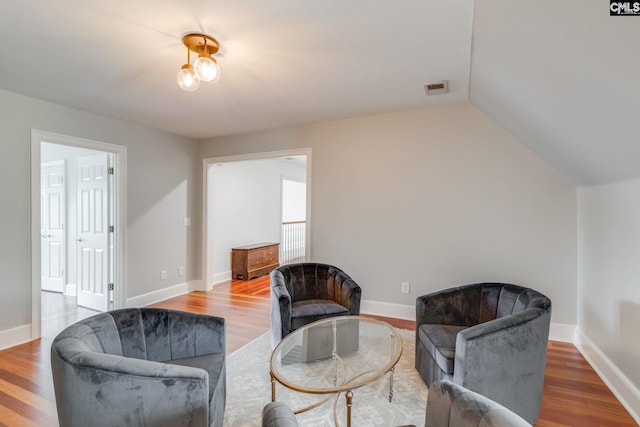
(336, 355)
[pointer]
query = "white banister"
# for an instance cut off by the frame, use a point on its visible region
(292, 243)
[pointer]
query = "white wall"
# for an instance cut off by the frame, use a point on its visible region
(294, 200)
(244, 207)
(162, 189)
(437, 197)
(609, 282)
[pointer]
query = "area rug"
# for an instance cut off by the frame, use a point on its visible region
(249, 390)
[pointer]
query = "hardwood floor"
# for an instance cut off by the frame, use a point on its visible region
(573, 395)
(244, 305)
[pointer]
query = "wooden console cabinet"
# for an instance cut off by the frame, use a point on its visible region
(252, 261)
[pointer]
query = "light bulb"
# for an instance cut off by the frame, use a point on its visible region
(188, 79)
(206, 67)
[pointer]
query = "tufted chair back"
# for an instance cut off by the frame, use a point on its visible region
(141, 367)
(305, 292)
(306, 281)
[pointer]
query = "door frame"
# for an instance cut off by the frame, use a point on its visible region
(120, 200)
(210, 161)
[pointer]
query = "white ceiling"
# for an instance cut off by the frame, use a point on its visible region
(283, 62)
(563, 77)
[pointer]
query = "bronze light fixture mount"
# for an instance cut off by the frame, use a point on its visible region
(201, 43)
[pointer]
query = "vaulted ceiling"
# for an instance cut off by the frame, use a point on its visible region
(562, 77)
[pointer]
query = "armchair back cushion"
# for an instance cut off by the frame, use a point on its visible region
(471, 305)
(305, 292)
(278, 414)
(450, 405)
(140, 367)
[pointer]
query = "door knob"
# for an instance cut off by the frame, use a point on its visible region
(78, 240)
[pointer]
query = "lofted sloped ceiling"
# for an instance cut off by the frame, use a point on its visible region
(562, 77)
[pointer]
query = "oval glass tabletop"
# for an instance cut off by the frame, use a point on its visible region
(336, 354)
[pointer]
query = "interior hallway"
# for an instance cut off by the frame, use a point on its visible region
(60, 311)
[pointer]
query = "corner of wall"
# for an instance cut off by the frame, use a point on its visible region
(619, 384)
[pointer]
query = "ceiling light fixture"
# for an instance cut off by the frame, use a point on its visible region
(205, 67)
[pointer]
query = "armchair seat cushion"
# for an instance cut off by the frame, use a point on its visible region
(307, 311)
(440, 343)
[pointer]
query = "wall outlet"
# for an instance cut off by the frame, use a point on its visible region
(180, 271)
(187, 222)
(405, 287)
(163, 275)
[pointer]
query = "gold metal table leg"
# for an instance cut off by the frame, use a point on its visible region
(348, 395)
(273, 387)
(391, 383)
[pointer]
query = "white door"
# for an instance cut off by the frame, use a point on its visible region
(93, 236)
(52, 218)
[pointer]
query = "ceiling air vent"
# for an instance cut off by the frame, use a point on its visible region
(437, 88)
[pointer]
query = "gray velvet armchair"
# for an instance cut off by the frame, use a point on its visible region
(490, 338)
(141, 367)
(278, 414)
(448, 405)
(305, 292)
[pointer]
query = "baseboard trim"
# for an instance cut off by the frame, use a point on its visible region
(197, 285)
(562, 332)
(163, 294)
(619, 384)
(218, 284)
(15, 336)
(387, 309)
(221, 277)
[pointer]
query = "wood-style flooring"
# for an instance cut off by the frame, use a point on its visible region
(573, 394)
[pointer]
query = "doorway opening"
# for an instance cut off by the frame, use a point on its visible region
(78, 218)
(293, 238)
(243, 205)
